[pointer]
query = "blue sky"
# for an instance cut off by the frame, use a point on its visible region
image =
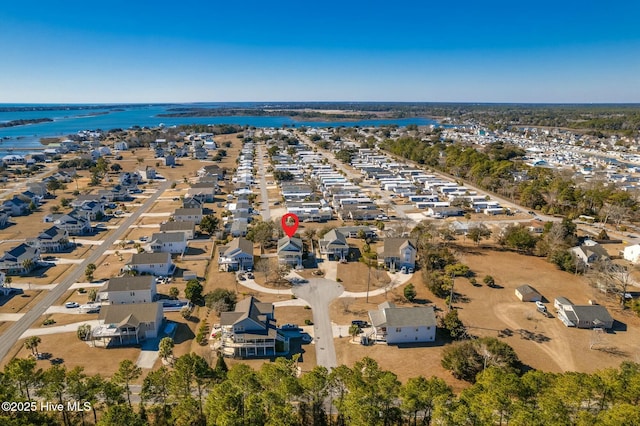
(190, 51)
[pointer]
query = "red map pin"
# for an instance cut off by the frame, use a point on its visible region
(290, 223)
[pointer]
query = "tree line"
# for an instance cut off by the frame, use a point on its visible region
(191, 392)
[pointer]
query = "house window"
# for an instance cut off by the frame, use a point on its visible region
(428, 328)
(398, 330)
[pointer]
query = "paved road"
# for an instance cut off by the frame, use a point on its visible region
(11, 336)
(264, 195)
(319, 292)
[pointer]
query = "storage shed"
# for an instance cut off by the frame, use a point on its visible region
(526, 293)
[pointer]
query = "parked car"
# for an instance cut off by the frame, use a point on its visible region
(410, 270)
(403, 270)
(144, 238)
(289, 327)
(250, 275)
(71, 305)
(359, 323)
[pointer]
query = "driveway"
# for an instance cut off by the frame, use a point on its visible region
(319, 293)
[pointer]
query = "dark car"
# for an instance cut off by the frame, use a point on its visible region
(359, 323)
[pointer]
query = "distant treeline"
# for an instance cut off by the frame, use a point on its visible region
(23, 122)
(225, 112)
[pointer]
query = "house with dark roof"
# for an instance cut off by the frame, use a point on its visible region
(189, 228)
(74, 222)
(290, 251)
(19, 260)
(52, 240)
(127, 324)
(4, 219)
(334, 245)
(236, 256)
(353, 231)
(151, 263)
(128, 289)
(16, 207)
(395, 325)
(169, 242)
(399, 253)
(250, 330)
(192, 203)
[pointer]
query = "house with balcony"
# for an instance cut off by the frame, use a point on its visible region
(16, 207)
(290, 251)
(127, 324)
(236, 256)
(52, 240)
(20, 260)
(188, 215)
(250, 330)
(74, 222)
(128, 289)
(334, 245)
(399, 253)
(167, 242)
(393, 325)
(188, 228)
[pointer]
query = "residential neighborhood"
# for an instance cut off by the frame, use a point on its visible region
(171, 243)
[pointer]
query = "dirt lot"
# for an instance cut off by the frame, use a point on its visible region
(68, 349)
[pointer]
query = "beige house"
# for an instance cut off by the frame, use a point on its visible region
(128, 324)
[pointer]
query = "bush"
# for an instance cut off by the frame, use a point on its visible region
(48, 321)
(466, 359)
(308, 322)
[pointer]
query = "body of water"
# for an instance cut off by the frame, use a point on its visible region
(69, 120)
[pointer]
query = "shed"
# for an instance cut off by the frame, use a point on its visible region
(526, 293)
(189, 275)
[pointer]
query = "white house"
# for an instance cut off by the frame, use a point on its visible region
(249, 331)
(395, 325)
(632, 253)
(177, 226)
(290, 251)
(75, 222)
(128, 324)
(334, 245)
(128, 289)
(188, 215)
(151, 263)
(236, 256)
(51, 240)
(399, 253)
(169, 242)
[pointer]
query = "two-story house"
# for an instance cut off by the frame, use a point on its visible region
(20, 260)
(189, 228)
(399, 253)
(75, 222)
(52, 240)
(290, 251)
(250, 330)
(128, 289)
(334, 245)
(151, 263)
(188, 215)
(127, 324)
(236, 256)
(169, 242)
(395, 325)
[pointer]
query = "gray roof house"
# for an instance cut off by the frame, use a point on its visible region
(236, 256)
(128, 324)
(589, 252)
(583, 316)
(526, 293)
(74, 222)
(175, 226)
(249, 331)
(334, 245)
(395, 325)
(151, 263)
(290, 251)
(128, 289)
(399, 253)
(188, 215)
(169, 242)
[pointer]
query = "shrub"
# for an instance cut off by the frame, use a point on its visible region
(308, 322)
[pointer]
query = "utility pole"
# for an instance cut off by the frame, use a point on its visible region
(368, 278)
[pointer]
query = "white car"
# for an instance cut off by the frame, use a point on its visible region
(70, 305)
